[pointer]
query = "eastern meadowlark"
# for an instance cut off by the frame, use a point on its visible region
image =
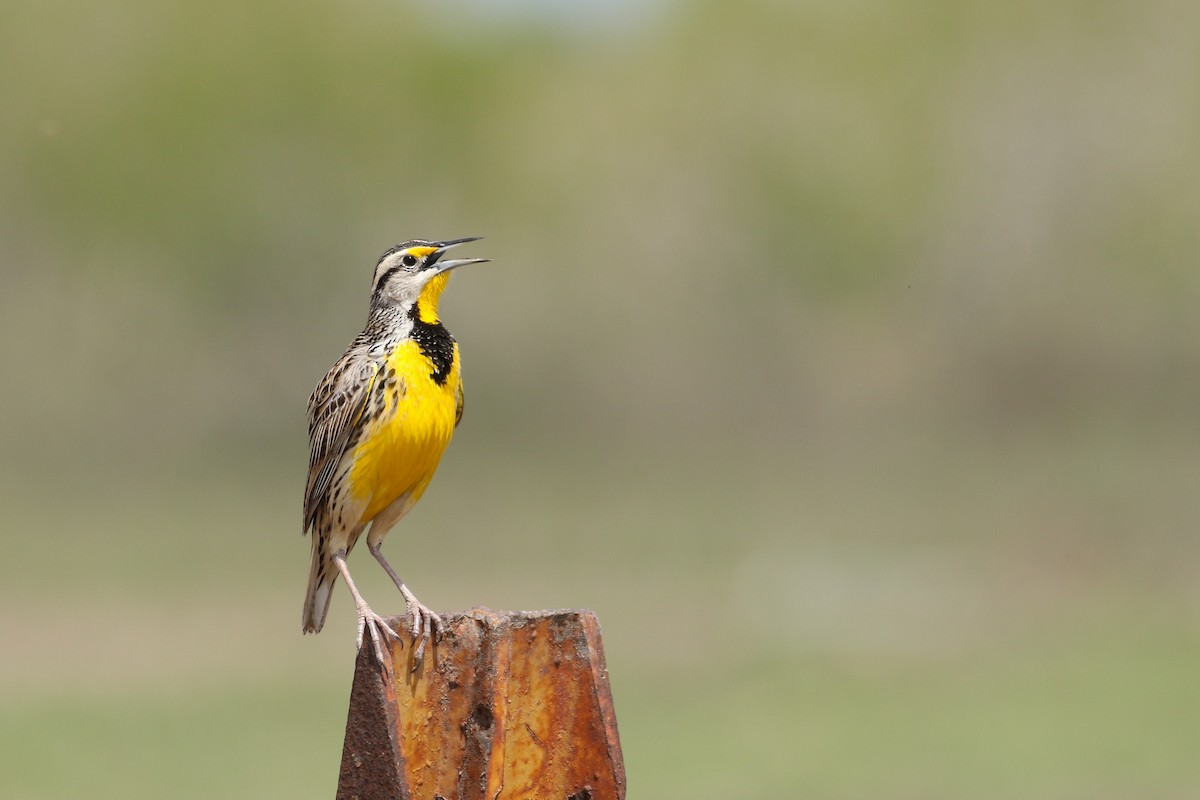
(378, 424)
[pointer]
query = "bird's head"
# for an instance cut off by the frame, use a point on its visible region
(414, 273)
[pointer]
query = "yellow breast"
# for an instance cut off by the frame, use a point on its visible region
(399, 450)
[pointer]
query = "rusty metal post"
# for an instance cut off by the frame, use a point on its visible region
(507, 706)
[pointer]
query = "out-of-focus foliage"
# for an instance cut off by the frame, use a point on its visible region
(857, 339)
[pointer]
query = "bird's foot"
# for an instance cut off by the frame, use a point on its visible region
(369, 621)
(425, 625)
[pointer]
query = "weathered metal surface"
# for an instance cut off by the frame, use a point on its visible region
(507, 706)
(370, 755)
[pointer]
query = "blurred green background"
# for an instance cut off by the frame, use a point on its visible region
(842, 356)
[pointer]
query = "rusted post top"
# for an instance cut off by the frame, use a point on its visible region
(507, 706)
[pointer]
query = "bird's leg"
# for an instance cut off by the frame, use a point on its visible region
(368, 620)
(424, 621)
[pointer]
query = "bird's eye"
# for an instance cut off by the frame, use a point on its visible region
(409, 260)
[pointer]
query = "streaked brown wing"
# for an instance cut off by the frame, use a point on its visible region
(335, 410)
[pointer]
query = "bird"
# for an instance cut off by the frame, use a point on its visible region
(378, 423)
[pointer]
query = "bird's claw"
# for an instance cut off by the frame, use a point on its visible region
(368, 620)
(425, 624)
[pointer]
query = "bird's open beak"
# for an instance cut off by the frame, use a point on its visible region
(434, 261)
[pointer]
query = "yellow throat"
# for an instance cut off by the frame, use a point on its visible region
(400, 449)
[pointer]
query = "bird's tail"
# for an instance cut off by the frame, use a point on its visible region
(321, 577)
